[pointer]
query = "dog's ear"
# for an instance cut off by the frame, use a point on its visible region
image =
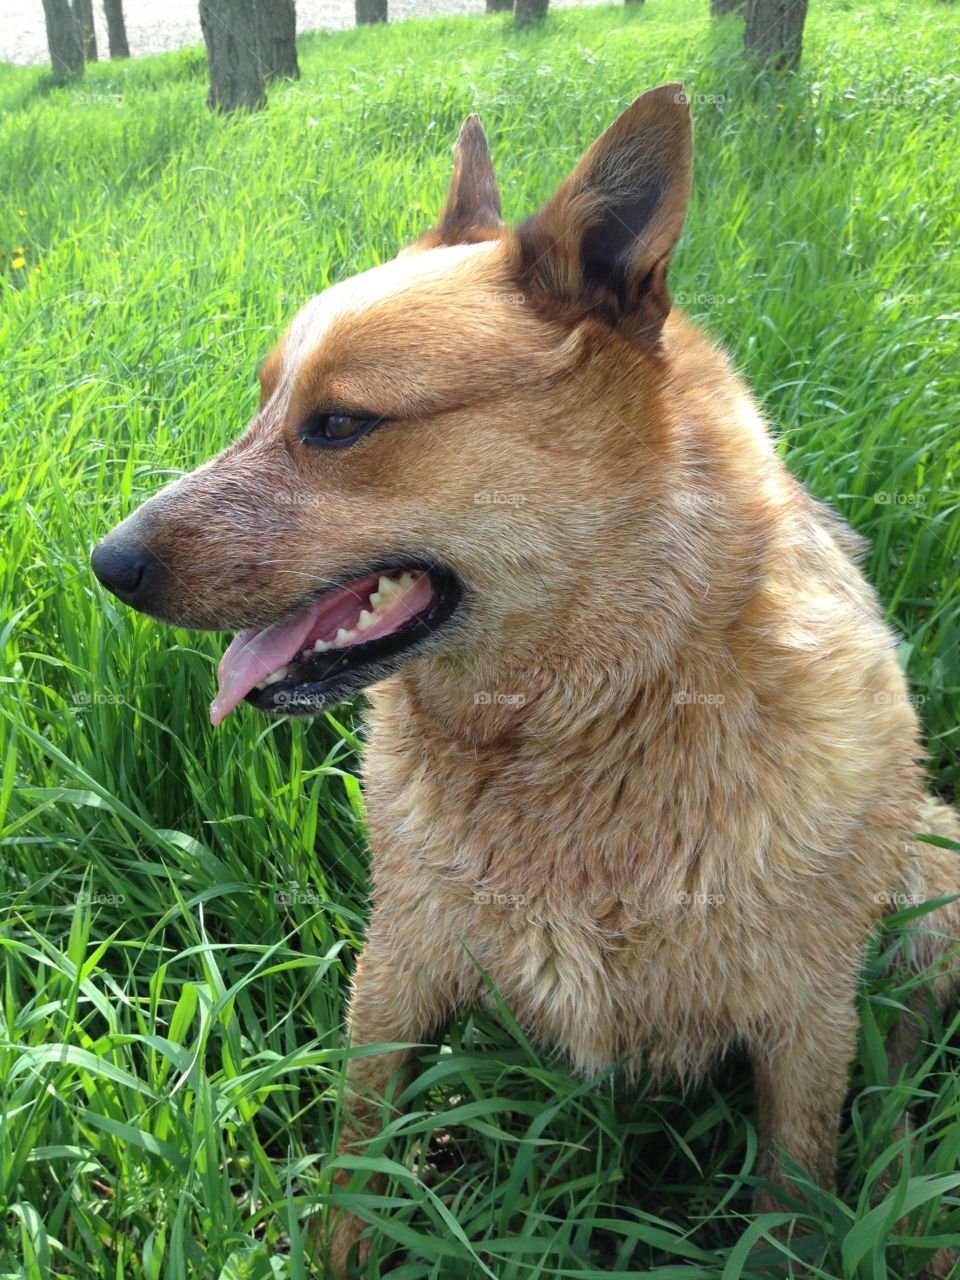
(472, 211)
(601, 244)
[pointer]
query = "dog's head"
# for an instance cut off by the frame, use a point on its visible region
(438, 439)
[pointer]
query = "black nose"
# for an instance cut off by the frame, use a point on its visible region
(122, 567)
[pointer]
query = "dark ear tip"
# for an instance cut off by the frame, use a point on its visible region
(666, 95)
(472, 130)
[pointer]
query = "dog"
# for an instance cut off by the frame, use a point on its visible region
(640, 751)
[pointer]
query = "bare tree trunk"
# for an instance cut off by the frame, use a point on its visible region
(527, 11)
(63, 40)
(719, 7)
(116, 29)
(83, 12)
(278, 38)
(499, 6)
(371, 11)
(774, 32)
(230, 33)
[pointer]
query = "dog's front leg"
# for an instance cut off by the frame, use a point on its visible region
(407, 984)
(801, 1070)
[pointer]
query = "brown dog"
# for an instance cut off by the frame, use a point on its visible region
(640, 748)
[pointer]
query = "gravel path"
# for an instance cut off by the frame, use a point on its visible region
(156, 25)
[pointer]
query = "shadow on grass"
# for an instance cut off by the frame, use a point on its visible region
(22, 87)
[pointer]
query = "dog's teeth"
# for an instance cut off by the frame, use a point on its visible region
(390, 588)
(384, 590)
(365, 620)
(277, 675)
(344, 637)
(320, 646)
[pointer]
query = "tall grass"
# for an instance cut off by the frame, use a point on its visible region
(180, 907)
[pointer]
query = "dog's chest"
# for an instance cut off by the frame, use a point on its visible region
(598, 946)
(603, 983)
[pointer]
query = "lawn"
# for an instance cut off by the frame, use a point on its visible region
(180, 908)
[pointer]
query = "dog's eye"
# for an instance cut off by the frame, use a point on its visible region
(334, 429)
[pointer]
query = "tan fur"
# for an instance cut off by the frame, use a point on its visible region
(660, 776)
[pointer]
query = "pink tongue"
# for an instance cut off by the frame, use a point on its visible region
(253, 655)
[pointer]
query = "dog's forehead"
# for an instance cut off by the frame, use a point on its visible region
(398, 279)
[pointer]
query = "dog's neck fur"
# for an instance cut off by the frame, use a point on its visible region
(727, 599)
(672, 601)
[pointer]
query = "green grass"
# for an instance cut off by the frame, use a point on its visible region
(170, 1057)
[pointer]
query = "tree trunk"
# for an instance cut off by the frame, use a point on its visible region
(371, 11)
(719, 7)
(774, 32)
(116, 29)
(499, 6)
(63, 40)
(527, 11)
(83, 12)
(277, 31)
(230, 33)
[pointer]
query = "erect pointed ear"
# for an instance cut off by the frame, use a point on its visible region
(601, 244)
(472, 211)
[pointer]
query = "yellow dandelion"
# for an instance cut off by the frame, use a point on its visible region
(22, 213)
(21, 249)
(17, 263)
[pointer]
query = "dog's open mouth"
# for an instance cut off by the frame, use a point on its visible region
(348, 638)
